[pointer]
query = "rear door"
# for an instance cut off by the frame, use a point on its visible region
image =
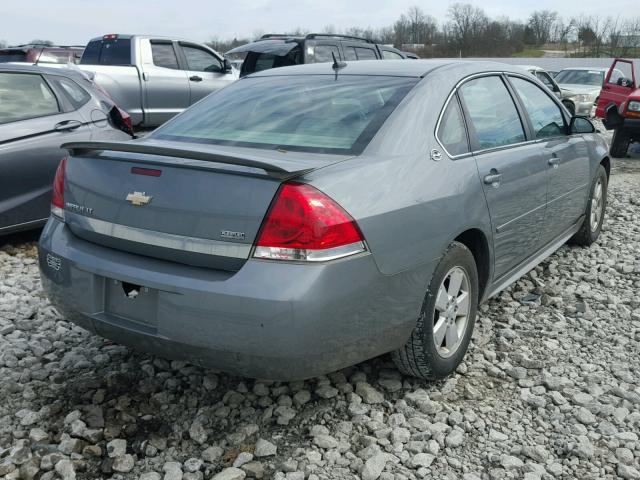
(34, 122)
(166, 86)
(513, 171)
(204, 70)
(619, 82)
(567, 158)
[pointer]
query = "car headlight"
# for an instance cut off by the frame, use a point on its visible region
(634, 107)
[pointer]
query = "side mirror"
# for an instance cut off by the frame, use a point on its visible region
(227, 67)
(581, 125)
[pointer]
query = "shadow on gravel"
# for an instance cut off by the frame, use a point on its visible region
(20, 237)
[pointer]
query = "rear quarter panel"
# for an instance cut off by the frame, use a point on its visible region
(408, 206)
(123, 84)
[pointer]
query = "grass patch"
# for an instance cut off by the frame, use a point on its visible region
(529, 52)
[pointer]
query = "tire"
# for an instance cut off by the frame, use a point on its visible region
(420, 357)
(619, 143)
(592, 224)
(571, 107)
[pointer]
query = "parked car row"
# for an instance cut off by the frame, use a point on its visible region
(276, 50)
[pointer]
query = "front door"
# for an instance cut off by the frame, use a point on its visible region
(619, 82)
(513, 171)
(205, 71)
(566, 156)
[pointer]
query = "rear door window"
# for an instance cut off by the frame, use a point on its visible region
(76, 95)
(350, 53)
(492, 112)
(324, 53)
(108, 52)
(545, 115)
(24, 96)
(452, 132)
(366, 53)
(164, 55)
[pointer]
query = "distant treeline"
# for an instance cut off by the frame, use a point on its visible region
(469, 32)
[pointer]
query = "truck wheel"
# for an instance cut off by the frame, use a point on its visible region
(620, 143)
(443, 330)
(594, 214)
(571, 107)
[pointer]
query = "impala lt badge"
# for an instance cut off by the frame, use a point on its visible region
(139, 198)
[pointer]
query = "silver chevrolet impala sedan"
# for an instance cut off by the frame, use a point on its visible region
(307, 218)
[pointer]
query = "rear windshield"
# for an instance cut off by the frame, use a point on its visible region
(257, 61)
(581, 77)
(12, 56)
(107, 52)
(311, 113)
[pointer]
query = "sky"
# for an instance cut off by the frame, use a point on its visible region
(74, 22)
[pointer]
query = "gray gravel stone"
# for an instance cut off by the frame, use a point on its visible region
(264, 448)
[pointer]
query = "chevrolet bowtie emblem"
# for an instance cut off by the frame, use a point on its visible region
(139, 198)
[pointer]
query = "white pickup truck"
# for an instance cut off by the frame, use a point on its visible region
(154, 78)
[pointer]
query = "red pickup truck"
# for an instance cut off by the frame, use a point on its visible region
(619, 106)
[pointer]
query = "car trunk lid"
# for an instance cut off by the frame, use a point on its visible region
(190, 203)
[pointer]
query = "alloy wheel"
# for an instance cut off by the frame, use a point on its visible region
(452, 309)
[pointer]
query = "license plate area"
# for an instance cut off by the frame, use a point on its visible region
(131, 302)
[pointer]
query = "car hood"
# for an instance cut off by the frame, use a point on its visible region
(576, 89)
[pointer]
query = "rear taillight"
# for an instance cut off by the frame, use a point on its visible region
(304, 224)
(57, 200)
(121, 120)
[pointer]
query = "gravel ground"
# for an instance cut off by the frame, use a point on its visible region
(550, 388)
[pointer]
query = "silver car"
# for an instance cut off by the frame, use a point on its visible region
(310, 217)
(581, 86)
(41, 108)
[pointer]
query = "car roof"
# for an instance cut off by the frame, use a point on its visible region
(30, 68)
(599, 69)
(396, 68)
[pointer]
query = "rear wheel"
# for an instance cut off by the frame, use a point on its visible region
(594, 215)
(620, 143)
(442, 333)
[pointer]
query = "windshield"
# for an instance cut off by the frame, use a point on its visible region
(581, 77)
(311, 113)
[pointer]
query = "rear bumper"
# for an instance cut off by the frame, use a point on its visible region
(268, 320)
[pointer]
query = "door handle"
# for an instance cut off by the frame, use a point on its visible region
(67, 125)
(493, 178)
(554, 162)
(195, 78)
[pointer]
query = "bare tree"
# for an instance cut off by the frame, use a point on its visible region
(466, 26)
(3, 44)
(541, 23)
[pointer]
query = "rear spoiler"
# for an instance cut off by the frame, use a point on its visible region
(85, 148)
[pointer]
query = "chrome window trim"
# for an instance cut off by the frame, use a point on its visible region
(160, 239)
(446, 104)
